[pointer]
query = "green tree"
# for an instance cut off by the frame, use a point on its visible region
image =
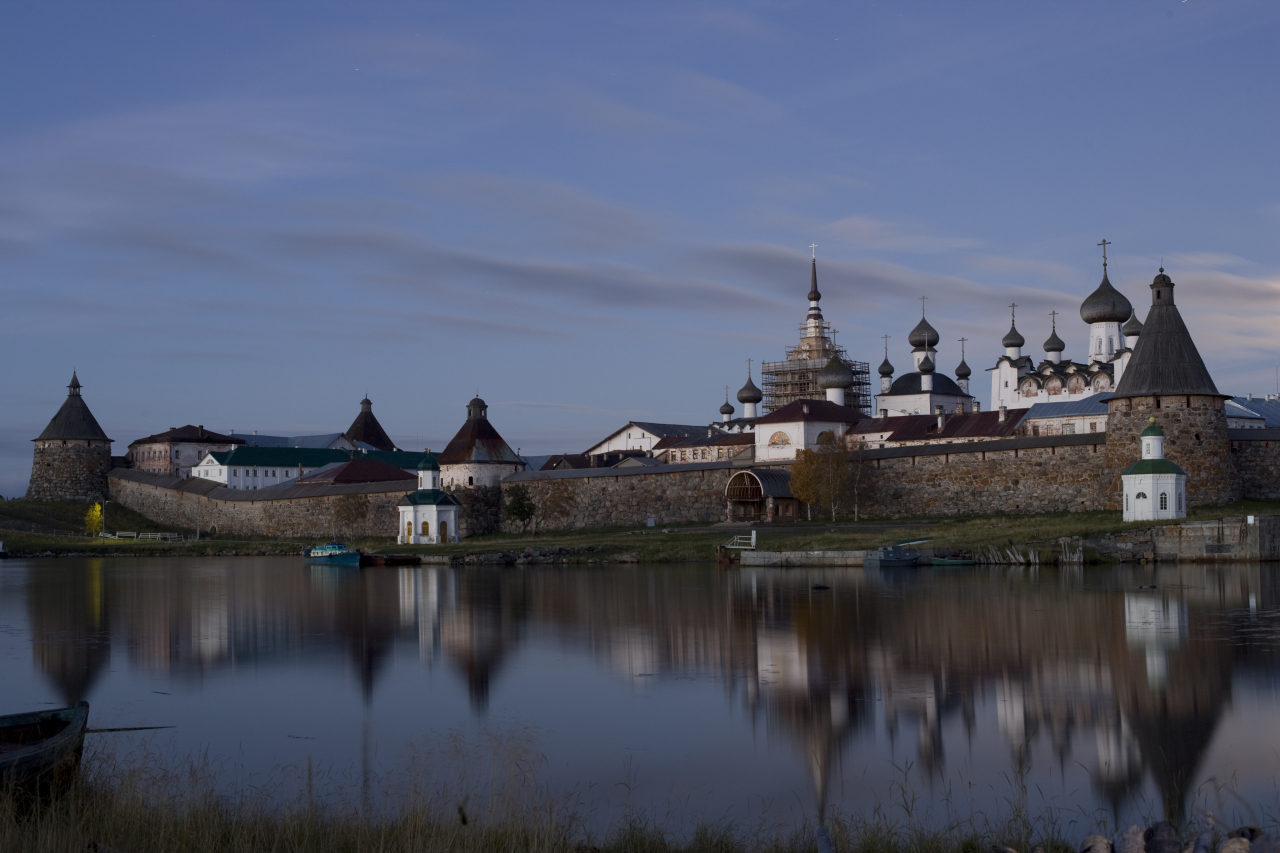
(822, 476)
(519, 506)
(93, 520)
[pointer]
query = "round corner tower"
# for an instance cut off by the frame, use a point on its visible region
(1167, 379)
(72, 455)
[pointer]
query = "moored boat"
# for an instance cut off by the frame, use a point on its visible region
(333, 553)
(891, 557)
(42, 748)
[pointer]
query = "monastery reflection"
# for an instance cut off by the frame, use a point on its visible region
(1127, 673)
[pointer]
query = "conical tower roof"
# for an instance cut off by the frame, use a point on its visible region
(365, 428)
(1165, 360)
(73, 421)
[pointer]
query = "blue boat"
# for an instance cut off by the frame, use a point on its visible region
(333, 553)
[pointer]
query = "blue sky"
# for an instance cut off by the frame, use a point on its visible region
(247, 215)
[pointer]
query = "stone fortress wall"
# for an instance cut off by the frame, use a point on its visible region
(69, 471)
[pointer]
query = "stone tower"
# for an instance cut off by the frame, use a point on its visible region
(1166, 379)
(72, 455)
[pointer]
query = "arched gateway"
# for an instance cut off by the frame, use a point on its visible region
(761, 494)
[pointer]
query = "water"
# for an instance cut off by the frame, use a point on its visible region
(685, 693)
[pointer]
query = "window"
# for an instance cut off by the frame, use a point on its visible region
(1126, 503)
(1111, 344)
(779, 439)
(408, 530)
(235, 472)
(1093, 427)
(426, 528)
(1035, 430)
(1164, 500)
(1068, 429)
(471, 481)
(1179, 501)
(1140, 496)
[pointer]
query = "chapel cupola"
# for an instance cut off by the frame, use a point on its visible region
(1104, 310)
(726, 411)
(749, 396)
(835, 379)
(1054, 346)
(1013, 341)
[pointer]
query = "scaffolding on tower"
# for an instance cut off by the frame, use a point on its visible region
(797, 377)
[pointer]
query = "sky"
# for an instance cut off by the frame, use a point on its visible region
(249, 215)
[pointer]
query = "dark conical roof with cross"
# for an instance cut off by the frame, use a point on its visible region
(74, 421)
(1165, 360)
(366, 429)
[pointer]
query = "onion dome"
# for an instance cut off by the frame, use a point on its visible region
(1133, 328)
(429, 463)
(923, 335)
(926, 365)
(750, 393)
(1012, 339)
(1106, 304)
(1151, 429)
(1054, 344)
(727, 408)
(963, 371)
(835, 375)
(886, 369)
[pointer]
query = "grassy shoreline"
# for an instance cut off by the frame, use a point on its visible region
(687, 543)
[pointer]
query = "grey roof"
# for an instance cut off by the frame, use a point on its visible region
(324, 441)
(923, 335)
(750, 393)
(1165, 359)
(73, 421)
(637, 462)
(1054, 344)
(886, 369)
(1132, 327)
(909, 383)
(835, 375)
(1269, 409)
(963, 371)
(1094, 405)
(1106, 304)
(774, 482)
(670, 430)
(1012, 338)
(429, 497)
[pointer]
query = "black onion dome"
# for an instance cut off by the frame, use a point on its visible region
(1106, 304)
(727, 408)
(814, 295)
(926, 365)
(923, 335)
(963, 371)
(750, 393)
(1054, 344)
(835, 375)
(886, 369)
(1133, 328)
(1012, 339)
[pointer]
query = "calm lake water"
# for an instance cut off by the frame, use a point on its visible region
(684, 692)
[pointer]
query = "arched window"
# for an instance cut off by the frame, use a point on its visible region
(408, 530)
(1179, 501)
(1126, 503)
(444, 531)
(779, 439)
(1164, 500)
(426, 528)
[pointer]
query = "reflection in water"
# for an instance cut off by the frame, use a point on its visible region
(1105, 671)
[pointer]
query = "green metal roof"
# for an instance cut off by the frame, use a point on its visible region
(430, 497)
(1152, 429)
(1154, 466)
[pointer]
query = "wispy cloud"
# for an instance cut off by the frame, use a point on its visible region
(894, 236)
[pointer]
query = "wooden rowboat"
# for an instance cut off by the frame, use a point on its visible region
(42, 748)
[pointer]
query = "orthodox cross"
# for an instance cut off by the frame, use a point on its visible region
(922, 299)
(1013, 312)
(813, 247)
(962, 340)
(886, 345)
(1104, 244)
(748, 368)
(1054, 315)
(726, 393)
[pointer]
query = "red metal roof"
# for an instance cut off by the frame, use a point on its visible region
(822, 411)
